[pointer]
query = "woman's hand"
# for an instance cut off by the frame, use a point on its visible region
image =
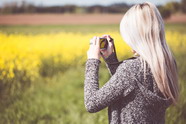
(109, 49)
(94, 49)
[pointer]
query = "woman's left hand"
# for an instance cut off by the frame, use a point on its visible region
(94, 49)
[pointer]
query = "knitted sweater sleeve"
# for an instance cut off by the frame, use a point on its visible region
(119, 85)
(112, 59)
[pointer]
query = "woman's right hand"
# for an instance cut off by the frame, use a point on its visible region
(106, 53)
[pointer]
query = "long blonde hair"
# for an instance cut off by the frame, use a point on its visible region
(142, 28)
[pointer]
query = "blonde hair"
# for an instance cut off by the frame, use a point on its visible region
(142, 28)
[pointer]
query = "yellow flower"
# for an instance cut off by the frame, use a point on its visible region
(21, 53)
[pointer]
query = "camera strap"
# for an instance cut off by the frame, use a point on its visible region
(113, 63)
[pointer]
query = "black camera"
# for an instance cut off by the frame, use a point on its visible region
(103, 43)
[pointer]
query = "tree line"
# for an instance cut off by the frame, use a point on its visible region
(25, 7)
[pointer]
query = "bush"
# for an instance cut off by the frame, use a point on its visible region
(165, 12)
(12, 88)
(52, 65)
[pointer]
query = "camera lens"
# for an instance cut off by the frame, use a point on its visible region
(103, 43)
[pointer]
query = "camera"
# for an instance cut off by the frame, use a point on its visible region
(103, 43)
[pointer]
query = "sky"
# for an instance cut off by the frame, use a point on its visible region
(85, 2)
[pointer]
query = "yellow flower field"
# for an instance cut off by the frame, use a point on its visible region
(31, 85)
(20, 52)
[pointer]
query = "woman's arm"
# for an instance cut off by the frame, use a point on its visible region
(112, 59)
(119, 85)
(110, 56)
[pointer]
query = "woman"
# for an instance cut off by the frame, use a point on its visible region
(141, 88)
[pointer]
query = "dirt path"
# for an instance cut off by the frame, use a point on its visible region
(45, 19)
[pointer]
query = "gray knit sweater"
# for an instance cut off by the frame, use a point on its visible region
(130, 97)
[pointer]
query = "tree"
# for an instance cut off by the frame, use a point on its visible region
(165, 12)
(183, 6)
(173, 6)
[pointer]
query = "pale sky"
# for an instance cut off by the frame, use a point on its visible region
(85, 2)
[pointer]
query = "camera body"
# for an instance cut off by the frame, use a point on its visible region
(103, 43)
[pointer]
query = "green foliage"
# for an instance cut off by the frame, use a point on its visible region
(183, 6)
(85, 28)
(99, 28)
(10, 88)
(176, 114)
(165, 12)
(173, 7)
(25, 7)
(59, 98)
(170, 8)
(52, 65)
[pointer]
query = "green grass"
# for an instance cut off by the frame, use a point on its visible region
(27, 29)
(57, 100)
(60, 99)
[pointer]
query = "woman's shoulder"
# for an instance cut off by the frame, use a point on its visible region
(132, 64)
(132, 61)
